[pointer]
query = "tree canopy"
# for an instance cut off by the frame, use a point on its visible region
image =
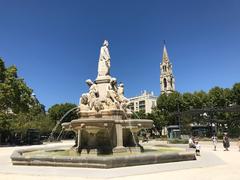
(19, 108)
(57, 111)
(169, 106)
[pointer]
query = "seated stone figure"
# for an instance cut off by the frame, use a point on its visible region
(92, 94)
(112, 95)
(90, 100)
(122, 99)
(83, 104)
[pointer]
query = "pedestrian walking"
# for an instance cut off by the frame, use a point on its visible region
(214, 141)
(198, 147)
(226, 142)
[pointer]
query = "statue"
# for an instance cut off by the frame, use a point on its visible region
(104, 60)
(92, 94)
(83, 104)
(104, 94)
(122, 99)
(112, 94)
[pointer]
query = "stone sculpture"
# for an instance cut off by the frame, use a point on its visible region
(104, 60)
(104, 93)
(93, 93)
(123, 100)
(104, 118)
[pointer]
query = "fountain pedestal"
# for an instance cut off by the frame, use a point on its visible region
(107, 131)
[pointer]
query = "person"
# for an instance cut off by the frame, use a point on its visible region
(214, 140)
(198, 147)
(191, 143)
(238, 144)
(226, 143)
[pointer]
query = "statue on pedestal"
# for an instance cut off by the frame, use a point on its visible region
(104, 93)
(104, 60)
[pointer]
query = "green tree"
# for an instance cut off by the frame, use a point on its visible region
(139, 115)
(15, 95)
(170, 102)
(160, 119)
(57, 111)
(217, 97)
(188, 101)
(236, 93)
(19, 109)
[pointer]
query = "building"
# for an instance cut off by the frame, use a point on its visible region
(167, 80)
(145, 102)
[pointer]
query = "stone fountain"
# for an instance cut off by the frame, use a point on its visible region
(104, 124)
(106, 134)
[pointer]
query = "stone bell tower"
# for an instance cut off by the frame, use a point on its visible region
(167, 80)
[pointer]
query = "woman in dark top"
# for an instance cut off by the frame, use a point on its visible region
(226, 143)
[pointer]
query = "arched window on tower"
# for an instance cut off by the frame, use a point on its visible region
(165, 83)
(171, 82)
(164, 69)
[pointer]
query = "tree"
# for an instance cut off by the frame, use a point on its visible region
(15, 95)
(236, 93)
(160, 119)
(57, 111)
(217, 97)
(188, 101)
(170, 102)
(2, 70)
(167, 105)
(19, 109)
(139, 115)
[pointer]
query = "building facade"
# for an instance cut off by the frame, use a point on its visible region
(167, 80)
(145, 102)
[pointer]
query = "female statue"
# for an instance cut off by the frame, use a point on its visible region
(104, 60)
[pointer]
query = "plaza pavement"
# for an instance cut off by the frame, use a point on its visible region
(211, 165)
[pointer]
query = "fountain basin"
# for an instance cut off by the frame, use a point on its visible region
(107, 123)
(21, 157)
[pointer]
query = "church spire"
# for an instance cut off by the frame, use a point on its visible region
(167, 80)
(165, 54)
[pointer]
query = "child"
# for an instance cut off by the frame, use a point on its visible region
(214, 140)
(197, 146)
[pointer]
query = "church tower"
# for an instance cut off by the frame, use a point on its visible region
(167, 81)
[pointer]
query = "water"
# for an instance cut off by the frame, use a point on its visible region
(139, 118)
(130, 125)
(73, 153)
(58, 138)
(51, 137)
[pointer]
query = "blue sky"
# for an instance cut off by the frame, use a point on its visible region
(55, 43)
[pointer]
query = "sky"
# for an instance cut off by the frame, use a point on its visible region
(55, 43)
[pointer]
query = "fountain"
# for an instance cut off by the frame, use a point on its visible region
(104, 124)
(106, 134)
